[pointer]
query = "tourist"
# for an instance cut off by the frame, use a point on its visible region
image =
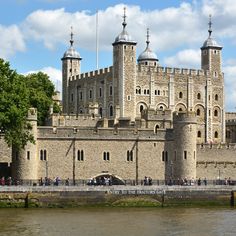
(205, 181)
(199, 181)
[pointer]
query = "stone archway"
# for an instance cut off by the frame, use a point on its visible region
(102, 179)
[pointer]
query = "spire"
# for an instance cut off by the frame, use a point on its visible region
(124, 17)
(147, 38)
(71, 37)
(210, 24)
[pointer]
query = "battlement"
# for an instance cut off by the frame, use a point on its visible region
(216, 146)
(174, 71)
(92, 74)
(188, 117)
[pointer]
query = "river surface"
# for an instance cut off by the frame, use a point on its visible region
(118, 221)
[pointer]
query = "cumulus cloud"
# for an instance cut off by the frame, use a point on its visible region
(230, 85)
(11, 41)
(53, 26)
(188, 58)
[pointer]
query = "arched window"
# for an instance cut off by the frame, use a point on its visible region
(216, 97)
(139, 91)
(199, 134)
(141, 108)
(111, 111)
(100, 111)
(216, 134)
(161, 108)
(198, 96)
(198, 112)
(155, 92)
(215, 113)
(144, 91)
(180, 95)
(156, 128)
(180, 109)
(158, 92)
(147, 91)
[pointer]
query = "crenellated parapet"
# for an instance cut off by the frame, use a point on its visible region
(92, 74)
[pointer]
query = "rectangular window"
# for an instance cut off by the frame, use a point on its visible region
(129, 98)
(28, 155)
(106, 156)
(110, 93)
(81, 96)
(90, 94)
(72, 97)
(163, 156)
(100, 92)
(80, 155)
(185, 155)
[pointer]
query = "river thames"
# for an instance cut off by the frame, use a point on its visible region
(119, 221)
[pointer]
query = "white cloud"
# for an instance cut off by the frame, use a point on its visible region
(188, 58)
(230, 86)
(54, 74)
(11, 41)
(171, 28)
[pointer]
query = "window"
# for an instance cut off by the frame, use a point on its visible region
(141, 108)
(110, 91)
(185, 155)
(216, 134)
(209, 112)
(144, 91)
(156, 128)
(216, 97)
(90, 93)
(180, 95)
(198, 112)
(161, 108)
(100, 111)
(158, 92)
(130, 155)
(81, 95)
(228, 134)
(155, 92)
(216, 113)
(180, 109)
(147, 91)
(43, 155)
(163, 156)
(129, 98)
(100, 92)
(199, 134)
(106, 156)
(72, 97)
(80, 155)
(28, 155)
(198, 96)
(111, 111)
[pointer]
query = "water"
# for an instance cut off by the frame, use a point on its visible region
(118, 221)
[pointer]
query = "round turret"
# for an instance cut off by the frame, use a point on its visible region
(124, 37)
(148, 57)
(25, 162)
(71, 53)
(184, 161)
(210, 42)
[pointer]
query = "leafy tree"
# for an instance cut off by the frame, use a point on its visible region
(17, 94)
(14, 105)
(41, 90)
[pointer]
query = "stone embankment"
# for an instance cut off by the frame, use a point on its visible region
(122, 196)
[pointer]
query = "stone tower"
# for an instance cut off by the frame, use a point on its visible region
(25, 161)
(124, 74)
(70, 67)
(184, 158)
(211, 62)
(211, 54)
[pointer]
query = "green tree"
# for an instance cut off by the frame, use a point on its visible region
(41, 90)
(17, 94)
(14, 105)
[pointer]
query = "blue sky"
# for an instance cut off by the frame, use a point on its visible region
(35, 33)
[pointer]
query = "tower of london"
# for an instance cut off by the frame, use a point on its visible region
(133, 119)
